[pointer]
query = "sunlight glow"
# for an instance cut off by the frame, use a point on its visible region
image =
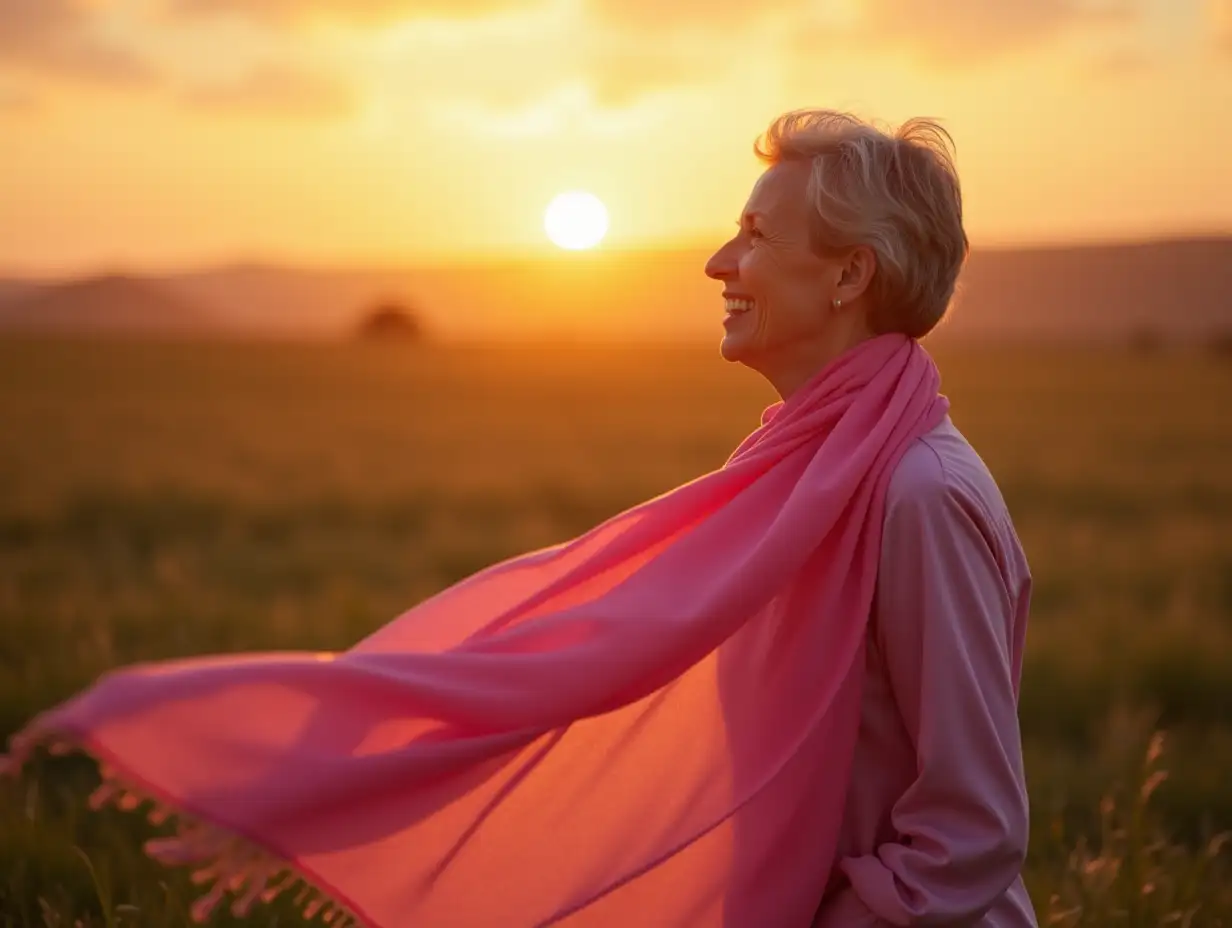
(575, 220)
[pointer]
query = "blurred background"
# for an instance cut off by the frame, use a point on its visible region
(295, 330)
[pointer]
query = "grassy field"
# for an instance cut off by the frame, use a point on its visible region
(163, 500)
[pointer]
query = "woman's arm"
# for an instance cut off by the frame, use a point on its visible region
(946, 629)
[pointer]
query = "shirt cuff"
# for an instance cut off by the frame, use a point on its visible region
(847, 910)
(873, 882)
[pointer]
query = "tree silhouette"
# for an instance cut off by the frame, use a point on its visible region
(1219, 343)
(391, 320)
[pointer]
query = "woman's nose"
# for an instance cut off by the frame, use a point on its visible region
(722, 264)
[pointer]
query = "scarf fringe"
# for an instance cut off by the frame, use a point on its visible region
(228, 867)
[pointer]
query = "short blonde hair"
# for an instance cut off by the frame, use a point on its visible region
(896, 192)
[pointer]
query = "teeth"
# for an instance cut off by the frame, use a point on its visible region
(738, 306)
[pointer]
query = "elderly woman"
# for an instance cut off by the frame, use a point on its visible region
(853, 233)
(783, 694)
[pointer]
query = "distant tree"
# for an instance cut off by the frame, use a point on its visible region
(1219, 343)
(1146, 340)
(391, 320)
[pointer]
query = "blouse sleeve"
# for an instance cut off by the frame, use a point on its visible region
(946, 627)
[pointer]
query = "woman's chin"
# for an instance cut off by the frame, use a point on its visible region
(729, 348)
(735, 346)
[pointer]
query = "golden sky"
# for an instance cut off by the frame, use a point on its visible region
(167, 134)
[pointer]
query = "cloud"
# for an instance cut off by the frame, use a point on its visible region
(509, 65)
(62, 36)
(490, 55)
(15, 99)
(365, 12)
(73, 38)
(1219, 15)
(277, 90)
(1122, 63)
(703, 16)
(952, 34)
(700, 16)
(614, 81)
(623, 66)
(569, 105)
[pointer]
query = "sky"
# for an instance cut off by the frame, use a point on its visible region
(173, 134)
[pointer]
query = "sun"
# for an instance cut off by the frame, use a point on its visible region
(575, 220)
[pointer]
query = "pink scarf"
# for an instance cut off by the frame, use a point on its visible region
(650, 724)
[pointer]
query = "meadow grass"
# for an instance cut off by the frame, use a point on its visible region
(174, 499)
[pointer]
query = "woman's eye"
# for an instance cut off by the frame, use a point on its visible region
(753, 231)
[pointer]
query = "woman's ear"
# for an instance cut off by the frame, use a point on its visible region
(859, 266)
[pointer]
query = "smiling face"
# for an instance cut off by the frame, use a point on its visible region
(778, 291)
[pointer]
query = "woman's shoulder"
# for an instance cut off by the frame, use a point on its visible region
(941, 468)
(942, 484)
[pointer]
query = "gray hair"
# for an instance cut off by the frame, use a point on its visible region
(896, 192)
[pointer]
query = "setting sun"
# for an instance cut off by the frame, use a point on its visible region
(575, 220)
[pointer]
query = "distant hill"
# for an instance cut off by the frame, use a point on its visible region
(1178, 289)
(1173, 289)
(114, 304)
(12, 290)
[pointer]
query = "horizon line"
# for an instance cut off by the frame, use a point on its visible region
(526, 254)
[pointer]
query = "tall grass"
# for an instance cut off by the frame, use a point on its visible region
(180, 499)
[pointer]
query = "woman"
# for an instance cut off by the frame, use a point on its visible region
(782, 694)
(935, 828)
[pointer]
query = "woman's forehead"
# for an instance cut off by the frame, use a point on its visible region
(781, 191)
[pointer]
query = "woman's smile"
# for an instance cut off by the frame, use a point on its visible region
(735, 306)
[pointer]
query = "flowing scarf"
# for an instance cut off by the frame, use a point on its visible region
(652, 724)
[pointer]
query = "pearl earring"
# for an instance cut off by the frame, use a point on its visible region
(838, 303)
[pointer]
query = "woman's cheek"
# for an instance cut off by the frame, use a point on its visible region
(763, 322)
(744, 273)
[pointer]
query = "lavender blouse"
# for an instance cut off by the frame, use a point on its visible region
(935, 830)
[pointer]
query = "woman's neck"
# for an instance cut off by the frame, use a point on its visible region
(808, 359)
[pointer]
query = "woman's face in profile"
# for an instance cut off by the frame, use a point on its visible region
(776, 286)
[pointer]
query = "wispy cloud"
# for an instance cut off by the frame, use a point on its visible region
(571, 105)
(247, 55)
(1120, 63)
(516, 64)
(15, 99)
(95, 42)
(1219, 14)
(619, 76)
(700, 16)
(277, 90)
(952, 34)
(62, 37)
(354, 11)
(512, 63)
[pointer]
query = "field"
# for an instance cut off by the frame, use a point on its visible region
(174, 499)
